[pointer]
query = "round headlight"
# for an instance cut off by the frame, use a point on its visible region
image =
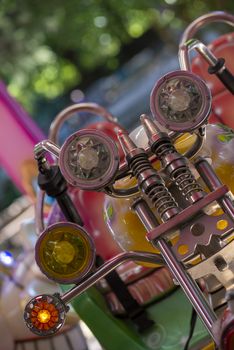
(180, 101)
(89, 159)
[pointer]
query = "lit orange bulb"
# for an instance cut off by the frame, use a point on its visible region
(45, 314)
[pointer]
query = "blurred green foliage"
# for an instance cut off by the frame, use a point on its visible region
(48, 47)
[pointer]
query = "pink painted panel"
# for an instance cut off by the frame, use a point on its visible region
(18, 135)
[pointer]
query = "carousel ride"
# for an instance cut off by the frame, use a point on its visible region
(141, 236)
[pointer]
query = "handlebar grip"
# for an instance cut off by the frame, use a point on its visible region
(68, 209)
(223, 74)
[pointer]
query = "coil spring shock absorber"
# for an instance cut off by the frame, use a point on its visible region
(174, 163)
(149, 181)
(148, 178)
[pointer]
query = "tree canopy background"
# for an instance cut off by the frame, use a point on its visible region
(48, 48)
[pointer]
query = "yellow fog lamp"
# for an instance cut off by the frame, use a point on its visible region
(45, 314)
(65, 252)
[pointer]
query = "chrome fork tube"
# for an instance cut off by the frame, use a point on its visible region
(188, 285)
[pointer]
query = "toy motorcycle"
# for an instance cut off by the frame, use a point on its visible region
(158, 193)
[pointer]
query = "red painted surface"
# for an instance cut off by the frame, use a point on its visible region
(223, 100)
(227, 330)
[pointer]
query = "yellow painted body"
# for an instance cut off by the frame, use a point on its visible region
(210, 346)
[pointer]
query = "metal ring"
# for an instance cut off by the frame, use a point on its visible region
(162, 101)
(68, 112)
(105, 159)
(43, 310)
(189, 33)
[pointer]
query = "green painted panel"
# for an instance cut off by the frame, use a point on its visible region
(171, 314)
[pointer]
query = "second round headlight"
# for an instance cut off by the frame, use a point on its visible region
(180, 101)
